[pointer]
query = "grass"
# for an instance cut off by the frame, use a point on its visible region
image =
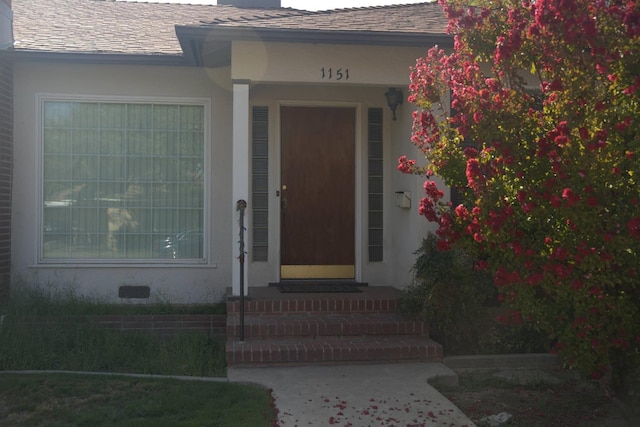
(81, 345)
(72, 341)
(66, 400)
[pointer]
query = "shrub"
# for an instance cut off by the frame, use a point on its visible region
(461, 305)
(542, 143)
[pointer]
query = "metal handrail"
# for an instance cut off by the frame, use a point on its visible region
(241, 206)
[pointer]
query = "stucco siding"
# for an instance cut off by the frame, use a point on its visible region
(403, 228)
(6, 155)
(323, 63)
(175, 282)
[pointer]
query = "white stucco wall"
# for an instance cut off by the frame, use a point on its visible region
(319, 63)
(6, 27)
(193, 283)
(272, 84)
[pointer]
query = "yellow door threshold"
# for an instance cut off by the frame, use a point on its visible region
(317, 271)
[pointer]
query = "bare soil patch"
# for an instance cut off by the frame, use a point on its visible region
(533, 399)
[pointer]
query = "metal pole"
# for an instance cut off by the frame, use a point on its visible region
(241, 206)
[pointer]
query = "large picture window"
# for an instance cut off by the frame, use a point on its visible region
(123, 181)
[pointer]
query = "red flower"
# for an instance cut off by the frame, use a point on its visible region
(405, 165)
(556, 85)
(462, 212)
(577, 284)
(633, 227)
(522, 196)
(470, 152)
(431, 188)
(443, 245)
(528, 207)
(571, 197)
(623, 125)
(595, 291)
(481, 265)
(602, 69)
(584, 133)
(427, 209)
(535, 279)
(474, 176)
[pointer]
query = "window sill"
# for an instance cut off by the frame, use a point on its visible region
(137, 264)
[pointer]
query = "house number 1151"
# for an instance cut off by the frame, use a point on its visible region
(337, 74)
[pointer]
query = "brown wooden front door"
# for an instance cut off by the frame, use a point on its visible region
(318, 192)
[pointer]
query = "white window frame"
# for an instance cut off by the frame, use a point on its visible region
(42, 98)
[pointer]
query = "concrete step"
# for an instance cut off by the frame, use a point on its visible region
(333, 350)
(268, 301)
(325, 328)
(311, 326)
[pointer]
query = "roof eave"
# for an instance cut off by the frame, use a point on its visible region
(19, 55)
(218, 42)
(192, 38)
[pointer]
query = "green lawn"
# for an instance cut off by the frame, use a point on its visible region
(81, 345)
(54, 331)
(42, 330)
(90, 400)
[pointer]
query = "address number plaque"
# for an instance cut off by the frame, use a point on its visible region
(337, 74)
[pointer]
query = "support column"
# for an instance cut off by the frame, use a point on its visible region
(240, 165)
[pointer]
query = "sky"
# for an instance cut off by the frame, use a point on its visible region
(317, 4)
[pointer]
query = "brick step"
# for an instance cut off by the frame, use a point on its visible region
(281, 326)
(333, 350)
(268, 301)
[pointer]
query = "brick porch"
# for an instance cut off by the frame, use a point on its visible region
(301, 329)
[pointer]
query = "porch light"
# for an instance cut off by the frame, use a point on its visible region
(394, 98)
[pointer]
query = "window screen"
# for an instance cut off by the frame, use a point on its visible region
(122, 181)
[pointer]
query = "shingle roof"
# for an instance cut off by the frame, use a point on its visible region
(132, 28)
(103, 26)
(423, 18)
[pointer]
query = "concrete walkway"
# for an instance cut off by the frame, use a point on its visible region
(358, 395)
(396, 395)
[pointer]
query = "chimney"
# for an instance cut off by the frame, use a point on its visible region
(256, 4)
(6, 24)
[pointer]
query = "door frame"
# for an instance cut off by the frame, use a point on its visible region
(358, 190)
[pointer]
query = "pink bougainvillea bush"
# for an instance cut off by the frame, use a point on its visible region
(542, 143)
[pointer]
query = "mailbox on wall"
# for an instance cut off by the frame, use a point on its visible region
(403, 199)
